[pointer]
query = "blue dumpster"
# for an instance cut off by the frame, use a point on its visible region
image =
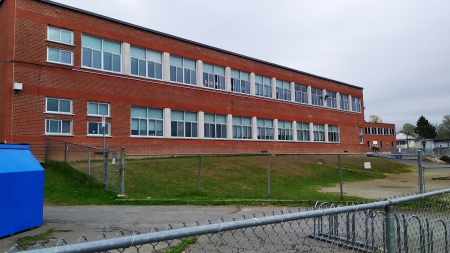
(398, 155)
(22, 195)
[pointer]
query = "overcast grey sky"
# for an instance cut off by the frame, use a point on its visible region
(398, 51)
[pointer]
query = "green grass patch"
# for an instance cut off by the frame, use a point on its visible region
(65, 185)
(183, 245)
(29, 241)
(224, 180)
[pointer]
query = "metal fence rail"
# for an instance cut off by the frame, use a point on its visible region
(417, 223)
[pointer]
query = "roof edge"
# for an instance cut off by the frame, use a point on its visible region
(193, 42)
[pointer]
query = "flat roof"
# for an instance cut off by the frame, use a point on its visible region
(192, 42)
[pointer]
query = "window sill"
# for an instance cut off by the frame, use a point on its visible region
(60, 63)
(57, 134)
(59, 113)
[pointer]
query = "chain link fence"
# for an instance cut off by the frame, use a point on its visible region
(416, 223)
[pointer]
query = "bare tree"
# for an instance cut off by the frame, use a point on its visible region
(375, 119)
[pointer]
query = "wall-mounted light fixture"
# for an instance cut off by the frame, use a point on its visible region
(18, 87)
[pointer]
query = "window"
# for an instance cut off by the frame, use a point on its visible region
(58, 126)
(356, 104)
(284, 130)
(240, 81)
(183, 124)
(263, 86)
(361, 140)
(360, 131)
(283, 90)
(182, 70)
(57, 55)
(344, 102)
(368, 144)
(301, 93)
(58, 105)
(316, 96)
(213, 76)
(242, 127)
(319, 132)
(265, 129)
(146, 63)
(101, 54)
(60, 35)
(146, 121)
(98, 109)
(302, 131)
(333, 133)
(215, 126)
(96, 128)
(331, 99)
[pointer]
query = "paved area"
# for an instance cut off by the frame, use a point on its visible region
(72, 222)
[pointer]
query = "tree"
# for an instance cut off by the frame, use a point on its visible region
(444, 127)
(408, 128)
(375, 119)
(424, 129)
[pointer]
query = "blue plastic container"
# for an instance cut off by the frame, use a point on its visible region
(22, 189)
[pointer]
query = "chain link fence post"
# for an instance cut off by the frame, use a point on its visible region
(122, 172)
(340, 177)
(89, 160)
(199, 170)
(65, 151)
(420, 171)
(390, 229)
(47, 146)
(268, 175)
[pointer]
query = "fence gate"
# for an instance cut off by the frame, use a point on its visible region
(115, 169)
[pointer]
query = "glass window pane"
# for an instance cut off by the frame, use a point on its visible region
(65, 127)
(93, 128)
(158, 71)
(53, 33)
(111, 46)
(134, 125)
(103, 109)
(137, 52)
(107, 61)
(187, 76)
(188, 63)
(208, 68)
(138, 112)
(151, 69)
(177, 115)
(179, 75)
(235, 74)
(176, 61)
(194, 129)
(173, 73)
(173, 128)
(87, 57)
(96, 59)
(116, 63)
(52, 104)
(64, 106)
(191, 116)
(154, 56)
(209, 118)
(92, 108)
(54, 126)
(245, 76)
(219, 70)
(66, 57)
(53, 54)
(159, 128)
(142, 127)
(236, 120)
(134, 66)
(91, 42)
(142, 68)
(221, 119)
(246, 121)
(258, 79)
(66, 37)
(155, 113)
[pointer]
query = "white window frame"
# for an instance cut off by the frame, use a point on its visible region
(316, 96)
(183, 121)
(263, 86)
(241, 84)
(98, 109)
(99, 127)
(60, 122)
(147, 120)
(331, 99)
(333, 134)
(209, 126)
(240, 129)
(285, 130)
(60, 30)
(59, 56)
(301, 93)
(184, 70)
(283, 90)
(303, 133)
(356, 104)
(265, 126)
(215, 79)
(147, 61)
(343, 100)
(59, 105)
(102, 52)
(319, 132)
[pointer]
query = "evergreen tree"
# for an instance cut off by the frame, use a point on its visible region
(424, 129)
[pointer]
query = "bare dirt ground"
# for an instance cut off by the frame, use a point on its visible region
(394, 185)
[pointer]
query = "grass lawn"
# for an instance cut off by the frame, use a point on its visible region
(242, 180)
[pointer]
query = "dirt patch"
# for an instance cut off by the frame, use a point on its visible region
(393, 185)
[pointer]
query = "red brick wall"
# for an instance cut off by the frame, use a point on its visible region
(387, 140)
(43, 80)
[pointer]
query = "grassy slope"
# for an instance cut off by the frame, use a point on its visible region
(231, 180)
